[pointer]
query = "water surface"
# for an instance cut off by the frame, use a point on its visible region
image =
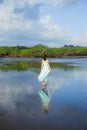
(21, 106)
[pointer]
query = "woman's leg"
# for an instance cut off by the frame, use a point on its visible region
(43, 85)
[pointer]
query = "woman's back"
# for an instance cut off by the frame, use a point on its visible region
(45, 69)
(44, 61)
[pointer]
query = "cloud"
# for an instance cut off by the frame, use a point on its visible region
(50, 29)
(21, 23)
(42, 31)
(54, 2)
(63, 3)
(28, 11)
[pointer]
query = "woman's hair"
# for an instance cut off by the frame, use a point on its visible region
(44, 57)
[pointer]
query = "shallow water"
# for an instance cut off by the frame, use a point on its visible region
(21, 106)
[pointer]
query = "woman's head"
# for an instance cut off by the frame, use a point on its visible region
(44, 57)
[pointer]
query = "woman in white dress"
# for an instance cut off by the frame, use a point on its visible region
(45, 70)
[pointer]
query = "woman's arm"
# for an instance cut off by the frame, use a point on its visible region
(42, 65)
(49, 65)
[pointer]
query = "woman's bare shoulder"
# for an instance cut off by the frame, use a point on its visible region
(42, 61)
(47, 60)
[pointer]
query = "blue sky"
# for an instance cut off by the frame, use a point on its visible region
(50, 22)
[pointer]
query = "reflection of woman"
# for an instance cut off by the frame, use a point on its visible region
(45, 99)
(45, 69)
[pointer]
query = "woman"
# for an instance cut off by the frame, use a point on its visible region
(45, 69)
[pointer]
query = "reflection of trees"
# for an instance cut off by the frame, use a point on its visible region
(32, 65)
(19, 65)
(65, 66)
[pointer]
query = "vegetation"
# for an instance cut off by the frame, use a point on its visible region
(39, 50)
(34, 66)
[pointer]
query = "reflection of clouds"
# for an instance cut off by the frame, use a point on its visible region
(55, 81)
(15, 85)
(5, 94)
(9, 93)
(60, 78)
(19, 94)
(82, 74)
(80, 79)
(20, 102)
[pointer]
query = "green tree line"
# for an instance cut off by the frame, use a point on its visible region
(39, 50)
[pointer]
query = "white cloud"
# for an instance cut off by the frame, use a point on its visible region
(51, 2)
(16, 28)
(78, 39)
(50, 29)
(66, 2)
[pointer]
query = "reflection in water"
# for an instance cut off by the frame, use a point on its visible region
(21, 104)
(45, 99)
(18, 64)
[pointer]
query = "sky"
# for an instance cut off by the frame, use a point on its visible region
(49, 22)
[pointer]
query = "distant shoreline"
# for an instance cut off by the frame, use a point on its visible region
(37, 51)
(48, 57)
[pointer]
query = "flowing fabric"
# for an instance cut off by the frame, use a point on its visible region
(44, 72)
(45, 98)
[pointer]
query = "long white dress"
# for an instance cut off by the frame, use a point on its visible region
(44, 72)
